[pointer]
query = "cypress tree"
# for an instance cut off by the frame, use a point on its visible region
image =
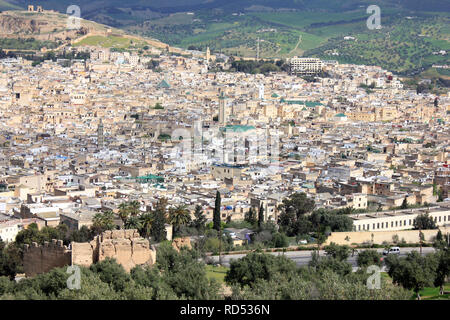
(158, 229)
(216, 216)
(261, 216)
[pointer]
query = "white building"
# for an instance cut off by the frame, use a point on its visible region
(305, 66)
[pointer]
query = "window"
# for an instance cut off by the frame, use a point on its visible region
(378, 225)
(396, 223)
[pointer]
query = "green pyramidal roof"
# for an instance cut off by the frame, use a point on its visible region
(163, 84)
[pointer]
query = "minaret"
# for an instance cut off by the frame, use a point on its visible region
(261, 91)
(208, 54)
(100, 134)
(222, 110)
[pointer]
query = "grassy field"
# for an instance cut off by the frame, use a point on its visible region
(433, 293)
(426, 293)
(217, 273)
(111, 42)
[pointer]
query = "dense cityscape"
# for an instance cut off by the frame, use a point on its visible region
(167, 173)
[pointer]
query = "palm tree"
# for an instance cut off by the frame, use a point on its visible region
(133, 223)
(134, 207)
(146, 221)
(103, 221)
(124, 212)
(179, 216)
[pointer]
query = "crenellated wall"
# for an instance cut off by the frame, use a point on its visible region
(42, 258)
(126, 246)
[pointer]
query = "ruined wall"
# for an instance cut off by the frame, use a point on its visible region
(178, 243)
(40, 259)
(126, 246)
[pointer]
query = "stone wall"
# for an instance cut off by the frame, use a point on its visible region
(178, 243)
(126, 246)
(40, 259)
(410, 236)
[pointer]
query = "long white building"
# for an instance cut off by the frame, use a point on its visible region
(399, 219)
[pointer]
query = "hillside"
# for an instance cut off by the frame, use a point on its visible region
(28, 31)
(412, 30)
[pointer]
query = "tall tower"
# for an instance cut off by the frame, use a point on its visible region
(222, 110)
(100, 140)
(261, 91)
(208, 54)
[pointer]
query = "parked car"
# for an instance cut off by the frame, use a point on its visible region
(391, 250)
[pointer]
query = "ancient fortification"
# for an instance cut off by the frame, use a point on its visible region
(126, 246)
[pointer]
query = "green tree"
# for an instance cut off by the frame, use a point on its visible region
(413, 272)
(135, 223)
(112, 273)
(124, 212)
(158, 228)
(216, 214)
(280, 240)
(325, 264)
(261, 216)
(84, 234)
(404, 204)
(442, 270)
(178, 217)
(424, 222)
(254, 266)
(199, 221)
(369, 257)
(9, 264)
(335, 251)
(145, 222)
(250, 216)
(103, 221)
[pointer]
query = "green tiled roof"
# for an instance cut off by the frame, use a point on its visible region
(309, 104)
(163, 84)
(237, 128)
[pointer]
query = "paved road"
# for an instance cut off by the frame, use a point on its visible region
(302, 258)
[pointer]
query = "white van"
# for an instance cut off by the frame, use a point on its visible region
(393, 250)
